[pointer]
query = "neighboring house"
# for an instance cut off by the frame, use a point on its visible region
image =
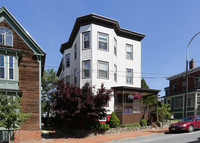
(175, 93)
(21, 67)
(99, 51)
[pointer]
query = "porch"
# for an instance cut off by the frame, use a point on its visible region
(128, 103)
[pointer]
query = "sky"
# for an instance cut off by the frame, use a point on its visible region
(168, 25)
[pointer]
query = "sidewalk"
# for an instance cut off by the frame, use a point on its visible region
(105, 138)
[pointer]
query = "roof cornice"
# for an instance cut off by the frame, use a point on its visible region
(183, 73)
(103, 21)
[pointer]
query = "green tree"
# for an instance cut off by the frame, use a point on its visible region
(144, 84)
(114, 121)
(163, 112)
(11, 113)
(48, 87)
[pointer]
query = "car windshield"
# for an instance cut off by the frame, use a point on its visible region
(188, 119)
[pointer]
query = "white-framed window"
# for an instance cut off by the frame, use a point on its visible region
(115, 73)
(75, 51)
(103, 41)
(67, 79)
(178, 102)
(11, 67)
(67, 60)
(129, 76)
(197, 82)
(6, 37)
(103, 69)
(2, 67)
(75, 77)
(115, 46)
(86, 69)
(129, 52)
(86, 40)
(7, 67)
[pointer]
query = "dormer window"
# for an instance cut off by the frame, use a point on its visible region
(6, 37)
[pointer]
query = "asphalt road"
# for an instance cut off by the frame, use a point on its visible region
(193, 137)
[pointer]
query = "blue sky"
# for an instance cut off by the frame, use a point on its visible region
(168, 25)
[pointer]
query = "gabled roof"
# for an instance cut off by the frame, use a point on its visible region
(103, 21)
(6, 15)
(183, 73)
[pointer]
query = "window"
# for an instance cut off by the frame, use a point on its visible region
(11, 68)
(178, 102)
(183, 85)
(2, 68)
(7, 67)
(6, 37)
(115, 47)
(174, 86)
(86, 40)
(67, 60)
(75, 77)
(191, 100)
(129, 52)
(67, 79)
(197, 82)
(75, 51)
(86, 69)
(129, 76)
(102, 69)
(115, 73)
(103, 41)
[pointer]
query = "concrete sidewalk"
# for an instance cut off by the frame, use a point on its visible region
(105, 138)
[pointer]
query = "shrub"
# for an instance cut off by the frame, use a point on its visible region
(143, 122)
(114, 121)
(131, 125)
(104, 127)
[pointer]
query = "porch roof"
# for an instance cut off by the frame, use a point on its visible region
(142, 91)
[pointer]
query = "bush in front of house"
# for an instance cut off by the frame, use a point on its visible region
(130, 125)
(114, 121)
(143, 122)
(104, 127)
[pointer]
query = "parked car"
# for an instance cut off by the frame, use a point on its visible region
(186, 124)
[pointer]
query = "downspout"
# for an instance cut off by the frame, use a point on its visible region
(40, 85)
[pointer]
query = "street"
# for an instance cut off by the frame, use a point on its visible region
(164, 138)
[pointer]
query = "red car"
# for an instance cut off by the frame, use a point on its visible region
(186, 124)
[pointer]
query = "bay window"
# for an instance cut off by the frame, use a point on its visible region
(103, 41)
(86, 69)
(102, 69)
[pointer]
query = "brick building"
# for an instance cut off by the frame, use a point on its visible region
(175, 93)
(21, 66)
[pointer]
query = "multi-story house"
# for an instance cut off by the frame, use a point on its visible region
(175, 93)
(21, 66)
(99, 51)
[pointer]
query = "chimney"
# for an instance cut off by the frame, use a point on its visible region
(192, 64)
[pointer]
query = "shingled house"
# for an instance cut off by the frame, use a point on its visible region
(21, 67)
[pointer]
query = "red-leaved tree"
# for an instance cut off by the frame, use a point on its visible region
(77, 105)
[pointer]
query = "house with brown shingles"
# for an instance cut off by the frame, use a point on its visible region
(21, 66)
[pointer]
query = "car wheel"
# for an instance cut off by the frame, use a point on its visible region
(191, 128)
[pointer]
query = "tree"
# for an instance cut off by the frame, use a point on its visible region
(163, 112)
(11, 113)
(150, 100)
(144, 84)
(114, 121)
(78, 105)
(48, 87)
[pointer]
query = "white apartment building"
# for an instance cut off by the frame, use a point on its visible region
(99, 51)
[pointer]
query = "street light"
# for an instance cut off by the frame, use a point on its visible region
(186, 76)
